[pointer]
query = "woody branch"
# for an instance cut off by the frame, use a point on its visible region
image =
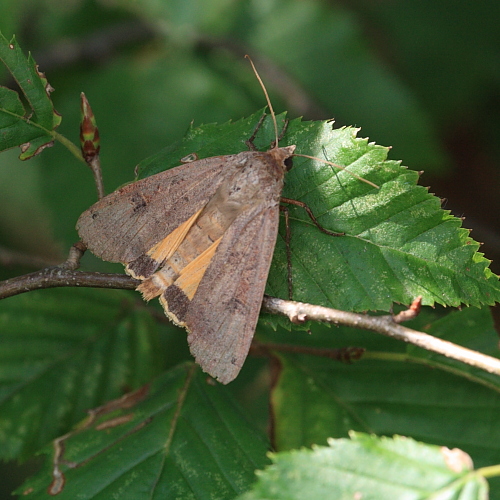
(385, 325)
(297, 312)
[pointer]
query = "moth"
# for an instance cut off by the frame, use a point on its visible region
(201, 237)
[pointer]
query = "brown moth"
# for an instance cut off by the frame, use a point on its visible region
(201, 237)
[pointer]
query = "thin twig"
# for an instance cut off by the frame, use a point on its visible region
(58, 276)
(299, 312)
(76, 252)
(95, 166)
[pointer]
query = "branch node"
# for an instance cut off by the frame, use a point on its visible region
(410, 313)
(76, 252)
(298, 318)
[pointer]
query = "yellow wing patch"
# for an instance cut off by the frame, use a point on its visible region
(192, 274)
(165, 248)
(145, 265)
(177, 297)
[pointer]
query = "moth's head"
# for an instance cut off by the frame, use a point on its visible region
(283, 156)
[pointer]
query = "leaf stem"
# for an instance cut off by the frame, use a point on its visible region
(73, 149)
(491, 471)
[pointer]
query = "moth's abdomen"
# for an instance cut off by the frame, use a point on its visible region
(183, 258)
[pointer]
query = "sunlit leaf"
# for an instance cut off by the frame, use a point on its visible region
(370, 468)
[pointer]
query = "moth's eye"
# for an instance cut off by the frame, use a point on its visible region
(288, 164)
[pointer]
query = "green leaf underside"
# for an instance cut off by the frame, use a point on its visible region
(56, 362)
(391, 389)
(17, 127)
(184, 438)
(398, 242)
(370, 468)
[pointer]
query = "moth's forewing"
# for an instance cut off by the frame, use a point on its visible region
(224, 312)
(240, 224)
(130, 221)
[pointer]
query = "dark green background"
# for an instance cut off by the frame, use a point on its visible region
(420, 76)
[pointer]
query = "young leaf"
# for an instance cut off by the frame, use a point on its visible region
(33, 129)
(398, 242)
(370, 468)
(179, 437)
(64, 351)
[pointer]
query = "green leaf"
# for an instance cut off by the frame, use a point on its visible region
(64, 351)
(180, 437)
(32, 130)
(212, 140)
(370, 468)
(390, 390)
(398, 242)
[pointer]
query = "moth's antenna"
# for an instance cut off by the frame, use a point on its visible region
(273, 116)
(338, 166)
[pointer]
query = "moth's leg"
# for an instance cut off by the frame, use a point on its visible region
(249, 142)
(288, 235)
(311, 215)
(282, 133)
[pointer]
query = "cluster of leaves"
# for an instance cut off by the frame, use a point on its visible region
(179, 435)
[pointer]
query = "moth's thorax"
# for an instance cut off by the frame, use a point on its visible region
(257, 175)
